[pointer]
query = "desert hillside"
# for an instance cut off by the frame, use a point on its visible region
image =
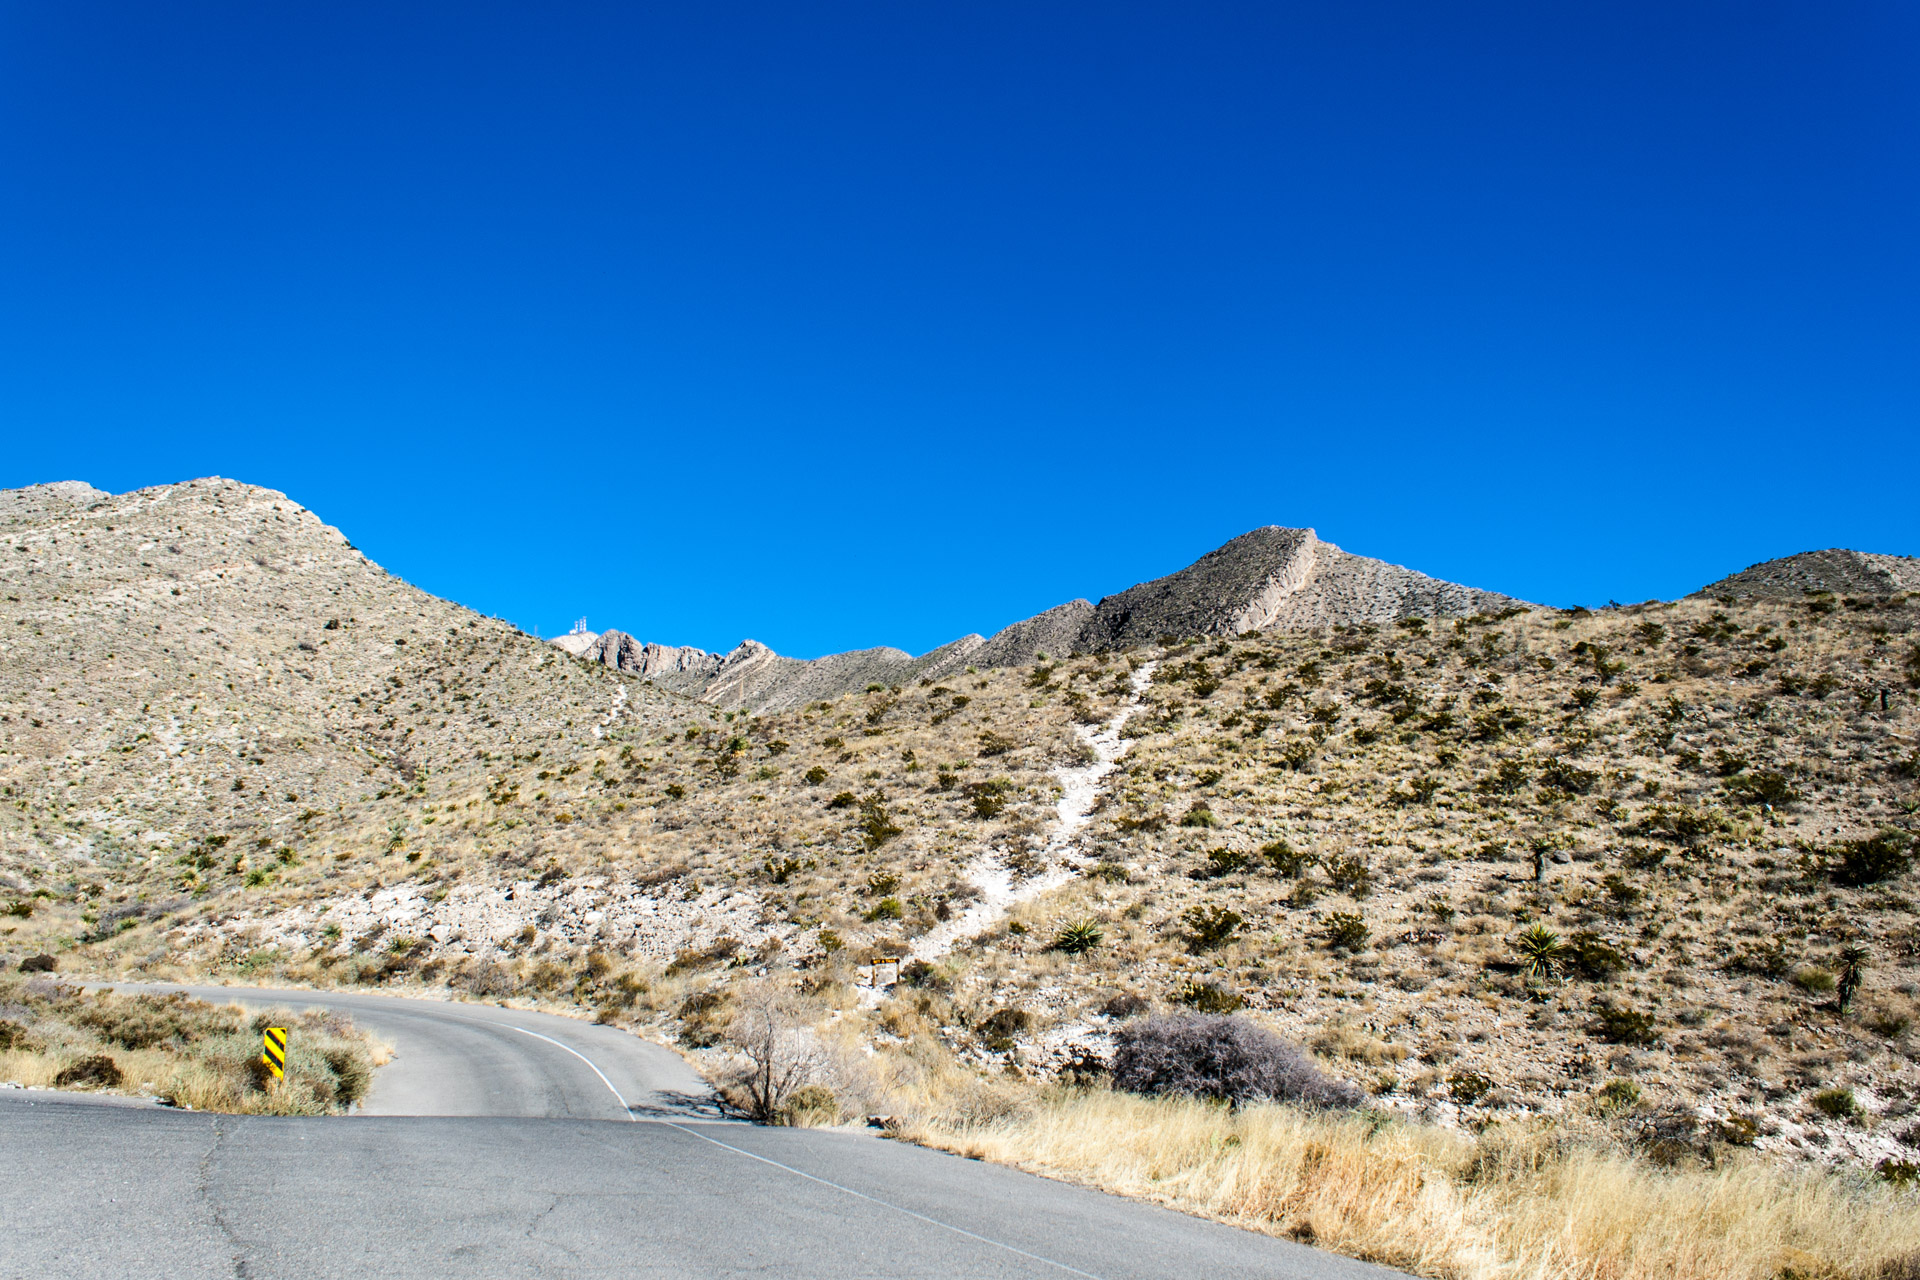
(1652, 860)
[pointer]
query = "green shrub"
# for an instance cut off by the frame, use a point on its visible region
(1347, 930)
(1541, 951)
(1617, 1095)
(1856, 863)
(989, 798)
(1814, 981)
(1349, 876)
(1836, 1104)
(1208, 998)
(1078, 938)
(1624, 1026)
(1199, 816)
(1286, 860)
(999, 1028)
(1210, 928)
(816, 775)
(1590, 957)
(1468, 1087)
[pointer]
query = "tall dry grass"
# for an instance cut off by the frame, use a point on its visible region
(1516, 1203)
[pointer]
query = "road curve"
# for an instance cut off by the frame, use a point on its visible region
(454, 1059)
(465, 1177)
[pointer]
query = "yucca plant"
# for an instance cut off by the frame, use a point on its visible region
(1079, 938)
(1541, 951)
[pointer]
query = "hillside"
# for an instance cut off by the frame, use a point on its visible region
(1523, 862)
(1834, 571)
(1271, 579)
(199, 683)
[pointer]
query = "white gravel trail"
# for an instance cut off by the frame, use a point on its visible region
(989, 872)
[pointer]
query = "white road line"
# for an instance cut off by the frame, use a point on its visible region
(885, 1204)
(624, 1109)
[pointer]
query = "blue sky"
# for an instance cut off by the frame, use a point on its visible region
(848, 324)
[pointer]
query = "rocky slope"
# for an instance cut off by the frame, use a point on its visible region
(1271, 579)
(1835, 571)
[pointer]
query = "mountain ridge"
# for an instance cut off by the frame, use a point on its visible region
(1272, 578)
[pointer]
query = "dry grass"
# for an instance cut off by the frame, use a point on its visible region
(197, 1054)
(1514, 1204)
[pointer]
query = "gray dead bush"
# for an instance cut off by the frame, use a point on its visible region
(1228, 1058)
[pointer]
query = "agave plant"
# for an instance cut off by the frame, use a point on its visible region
(1078, 938)
(1541, 951)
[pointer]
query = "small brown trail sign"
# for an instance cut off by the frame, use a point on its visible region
(274, 1051)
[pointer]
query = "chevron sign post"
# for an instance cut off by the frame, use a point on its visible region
(273, 1051)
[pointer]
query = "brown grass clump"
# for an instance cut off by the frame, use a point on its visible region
(1532, 1202)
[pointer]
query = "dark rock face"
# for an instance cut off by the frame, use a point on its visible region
(1843, 572)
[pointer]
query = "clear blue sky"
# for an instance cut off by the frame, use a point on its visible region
(847, 324)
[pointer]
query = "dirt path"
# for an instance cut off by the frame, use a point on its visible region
(989, 872)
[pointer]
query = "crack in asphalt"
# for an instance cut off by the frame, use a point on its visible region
(204, 1189)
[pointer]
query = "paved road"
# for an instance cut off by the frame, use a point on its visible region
(510, 1164)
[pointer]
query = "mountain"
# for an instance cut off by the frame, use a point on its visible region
(209, 660)
(1837, 570)
(1272, 579)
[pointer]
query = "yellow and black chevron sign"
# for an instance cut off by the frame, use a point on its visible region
(274, 1051)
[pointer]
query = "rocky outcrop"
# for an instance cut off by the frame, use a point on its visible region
(1860, 573)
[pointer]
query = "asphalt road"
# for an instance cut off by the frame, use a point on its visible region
(507, 1144)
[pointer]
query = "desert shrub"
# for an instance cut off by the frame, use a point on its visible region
(810, 1105)
(1855, 863)
(989, 798)
(815, 775)
(1228, 1058)
(843, 800)
(96, 1070)
(1078, 938)
(1504, 779)
(1469, 1087)
(998, 1028)
(1287, 860)
(1297, 753)
(1763, 787)
(1223, 862)
(1567, 777)
(994, 744)
(1617, 1095)
(38, 964)
(1349, 876)
(1836, 1104)
(1208, 998)
(924, 977)
(1347, 930)
(1127, 1004)
(876, 824)
(1617, 1025)
(1813, 980)
(1542, 952)
(1210, 928)
(487, 978)
(144, 1021)
(1590, 957)
(1199, 816)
